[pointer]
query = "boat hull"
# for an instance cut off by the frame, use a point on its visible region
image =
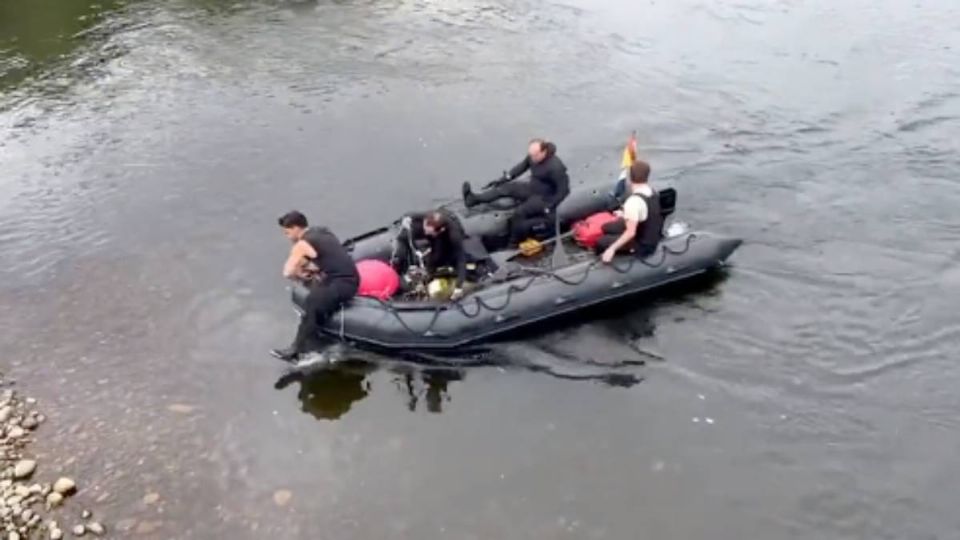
(531, 295)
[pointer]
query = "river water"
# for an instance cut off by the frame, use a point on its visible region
(146, 150)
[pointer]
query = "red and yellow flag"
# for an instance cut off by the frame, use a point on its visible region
(629, 152)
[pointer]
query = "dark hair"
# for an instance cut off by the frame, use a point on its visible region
(435, 220)
(639, 172)
(545, 145)
(293, 219)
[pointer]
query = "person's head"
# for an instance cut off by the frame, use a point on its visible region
(293, 224)
(639, 172)
(540, 149)
(434, 224)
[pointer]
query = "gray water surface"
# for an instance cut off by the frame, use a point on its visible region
(146, 150)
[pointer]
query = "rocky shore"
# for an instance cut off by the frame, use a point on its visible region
(30, 508)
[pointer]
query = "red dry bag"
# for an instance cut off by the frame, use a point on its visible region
(377, 279)
(586, 232)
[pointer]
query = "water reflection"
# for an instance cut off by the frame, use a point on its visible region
(328, 390)
(607, 346)
(429, 386)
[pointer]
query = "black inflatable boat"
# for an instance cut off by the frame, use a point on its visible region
(523, 290)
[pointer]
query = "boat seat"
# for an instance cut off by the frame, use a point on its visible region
(541, 228)
(668, 201)
(475, 250)
(477, 254)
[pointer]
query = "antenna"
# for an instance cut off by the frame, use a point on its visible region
(560, 256)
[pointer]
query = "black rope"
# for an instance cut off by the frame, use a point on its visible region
(512, 288)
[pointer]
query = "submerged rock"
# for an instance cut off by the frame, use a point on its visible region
(19, 517)
(54, 499)
(126, 524)
(147, 527)
(282, 497)
(24, 468)
(64, 486)
(180, 408)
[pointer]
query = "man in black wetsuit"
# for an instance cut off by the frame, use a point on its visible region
(548, 186)
(446, 237)
(324, 265)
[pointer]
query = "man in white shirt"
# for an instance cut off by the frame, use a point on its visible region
(638, 229)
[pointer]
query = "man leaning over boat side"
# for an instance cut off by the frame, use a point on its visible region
(445, 234)
(320, 261)
(639, 228)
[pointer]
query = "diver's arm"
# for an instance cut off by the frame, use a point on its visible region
(561, 184)
(519, 168)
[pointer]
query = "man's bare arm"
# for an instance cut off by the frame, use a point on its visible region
(293, 268)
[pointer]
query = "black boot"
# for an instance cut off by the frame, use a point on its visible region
(469, 199)
(287, 354)
(293, 352)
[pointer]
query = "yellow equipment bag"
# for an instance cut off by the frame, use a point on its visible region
(441, 288)
(530, 247)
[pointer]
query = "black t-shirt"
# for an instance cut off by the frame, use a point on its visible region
(332, 258)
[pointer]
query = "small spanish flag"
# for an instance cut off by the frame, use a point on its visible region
(629, 152)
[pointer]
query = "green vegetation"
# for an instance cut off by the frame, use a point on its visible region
(37, 33)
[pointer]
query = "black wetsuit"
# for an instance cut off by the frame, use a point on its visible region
(648, 233)
(446, 248)
(338, 283)
(547, 187)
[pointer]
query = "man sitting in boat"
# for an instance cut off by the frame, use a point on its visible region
(548, 186)
(639, 228)
(319, 260)
(446, 238)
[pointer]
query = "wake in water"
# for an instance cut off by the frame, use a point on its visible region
(612, 349)
(572, 356)
(333, 380)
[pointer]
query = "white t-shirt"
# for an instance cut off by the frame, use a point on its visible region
(635, 208)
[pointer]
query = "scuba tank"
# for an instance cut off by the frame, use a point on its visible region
(440, 288)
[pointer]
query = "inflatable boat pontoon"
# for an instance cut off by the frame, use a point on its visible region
(563, 278)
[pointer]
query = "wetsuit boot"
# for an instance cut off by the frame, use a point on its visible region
(298, 347)
(287, 354)
(469, 199)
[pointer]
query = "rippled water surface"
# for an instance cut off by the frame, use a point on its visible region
(146, 149)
